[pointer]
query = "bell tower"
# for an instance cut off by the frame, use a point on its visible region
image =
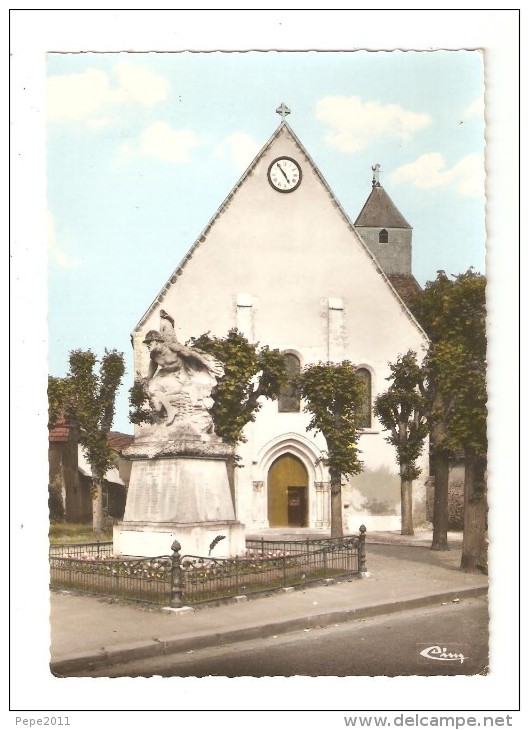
(385, 230)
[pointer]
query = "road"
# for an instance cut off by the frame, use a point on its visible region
(388, 645)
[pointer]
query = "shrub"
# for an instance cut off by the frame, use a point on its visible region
(55, 504)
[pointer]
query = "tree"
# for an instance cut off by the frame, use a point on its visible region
(452, 311)
(402, 411)
(429, 308)
(250, 373)
(88, 398)
(461, 380)
(334, 396)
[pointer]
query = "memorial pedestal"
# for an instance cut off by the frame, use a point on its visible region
(179, 490)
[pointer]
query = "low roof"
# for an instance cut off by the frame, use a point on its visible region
(84, 467)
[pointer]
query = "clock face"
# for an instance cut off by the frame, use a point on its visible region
(284, 175)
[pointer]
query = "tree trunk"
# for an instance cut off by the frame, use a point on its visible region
(406, 506)
(440, 500)
(474, 556)
(97, 506)
(336, 504)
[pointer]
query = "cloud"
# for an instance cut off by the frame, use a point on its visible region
(58, 255)
(355, 124)
(161, 141)
(240, 148)
(475, 109)
(90, 96)
(429, 171)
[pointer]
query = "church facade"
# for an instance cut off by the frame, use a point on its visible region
(283, 263)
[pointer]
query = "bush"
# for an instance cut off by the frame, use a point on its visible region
(55, 504)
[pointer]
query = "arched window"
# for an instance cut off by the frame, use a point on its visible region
(383, 236)
(288, 401)
(364, 420)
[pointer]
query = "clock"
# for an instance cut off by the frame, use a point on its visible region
(284, 175)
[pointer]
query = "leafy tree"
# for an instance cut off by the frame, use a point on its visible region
(402, 411)
(334, 396)
(88, 398)
(250, 373)
(460, 365)
(453, 313)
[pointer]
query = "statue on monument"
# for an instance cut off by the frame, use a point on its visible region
(180, 379)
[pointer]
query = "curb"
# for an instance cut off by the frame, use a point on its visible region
(107, 657)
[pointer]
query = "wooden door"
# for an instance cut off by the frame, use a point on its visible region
(287, 482)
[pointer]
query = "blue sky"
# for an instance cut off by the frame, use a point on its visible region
(143, 147)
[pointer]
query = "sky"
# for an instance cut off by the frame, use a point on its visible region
(142, 148)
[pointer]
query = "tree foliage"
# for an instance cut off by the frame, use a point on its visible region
(250, 373)
(87, 398)
(453, 313)
(334, 397)
(402, 410)
(92, 403)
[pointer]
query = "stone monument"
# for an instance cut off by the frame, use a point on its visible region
(179, 487)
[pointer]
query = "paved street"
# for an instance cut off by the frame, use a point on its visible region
(385, 645)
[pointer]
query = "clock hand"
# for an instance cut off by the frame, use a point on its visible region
(283, 173)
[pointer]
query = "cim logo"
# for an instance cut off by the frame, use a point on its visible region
(441, 654)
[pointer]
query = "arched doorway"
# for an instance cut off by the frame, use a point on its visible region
(287, 493)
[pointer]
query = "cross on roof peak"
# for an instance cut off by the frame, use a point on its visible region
(283, 110)
(376, 171)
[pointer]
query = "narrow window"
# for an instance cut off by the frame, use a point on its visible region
(383, 236)
(364, 420)
(288, 401)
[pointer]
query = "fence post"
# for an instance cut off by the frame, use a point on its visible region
(176, 577)
(362, 550)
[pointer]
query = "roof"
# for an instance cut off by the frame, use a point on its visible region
(119, 441)
(112, 475)
(380, 211)
(381, 195)
(62, 431)
(406, 286)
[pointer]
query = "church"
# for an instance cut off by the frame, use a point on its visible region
(283, 262)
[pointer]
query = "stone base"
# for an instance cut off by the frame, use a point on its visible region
(151, 539)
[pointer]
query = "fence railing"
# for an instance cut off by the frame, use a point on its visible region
(145, 579)
(82, 549)
(179, 580)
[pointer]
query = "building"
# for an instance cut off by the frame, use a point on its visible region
(70, 476)
(283, 263)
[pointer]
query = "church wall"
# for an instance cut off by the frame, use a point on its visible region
(290, 272)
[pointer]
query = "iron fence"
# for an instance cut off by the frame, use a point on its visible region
(146, 579)
(180, 580)
(82, 550)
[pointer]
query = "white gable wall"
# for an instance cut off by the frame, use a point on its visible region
(313, 289)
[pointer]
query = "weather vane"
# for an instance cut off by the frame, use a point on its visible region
(376, 169)
(283, 110)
